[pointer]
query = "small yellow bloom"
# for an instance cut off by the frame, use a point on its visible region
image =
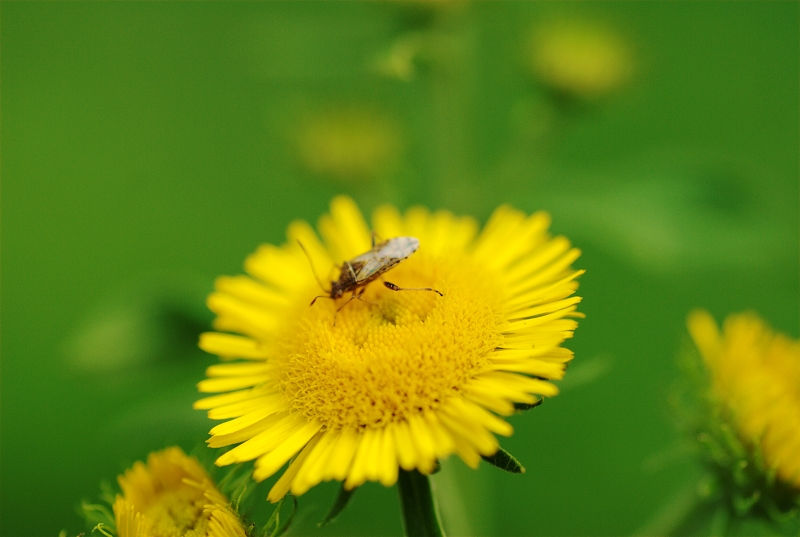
(172, 496)
(400, 379)
(350, 145)
(755, 375)
(580, 59)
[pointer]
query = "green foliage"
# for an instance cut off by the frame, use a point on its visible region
(523, 407)
(100, 528)
(237, 485)
(437, 467)
(99, 517)
(273, 527)
(505, 461)
(343, 498)
(420, 518)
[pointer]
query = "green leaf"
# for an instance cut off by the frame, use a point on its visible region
(342, 499)
(108, 495)
(742, 504)
(289, 520)
(97, 515)
(235, 485)
(740, 473)
(274, 519)
(732, 442)
(274, 527)
(780, 516)
(505, 461)
(714, 449)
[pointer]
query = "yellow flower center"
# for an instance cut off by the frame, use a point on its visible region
(172, 496)
(178, 513)
(393, 353)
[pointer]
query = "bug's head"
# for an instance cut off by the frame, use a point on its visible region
(337, 290)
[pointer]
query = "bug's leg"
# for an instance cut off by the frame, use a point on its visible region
(340, 308)
(360, 294)
(375, 238)
(357, 296)
(393, 287)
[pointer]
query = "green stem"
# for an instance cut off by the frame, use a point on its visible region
(677, 511)
(420, 518)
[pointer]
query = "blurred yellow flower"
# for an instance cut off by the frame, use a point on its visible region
(755, 375)
(172, 496)
(580, 59)
(349, 145)
(399, 379)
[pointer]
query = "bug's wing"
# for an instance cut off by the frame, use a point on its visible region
(382, 257)
(398, 248)
(373, 267)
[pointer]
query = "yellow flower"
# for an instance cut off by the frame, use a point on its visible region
(400, 378)
(172, 496)
(350, 145)
(755, 375)
(580, 59)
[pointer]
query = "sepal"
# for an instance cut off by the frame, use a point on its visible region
(523, 407)
(342, 500)
(505, 461)
(97, 516)
(274, 528)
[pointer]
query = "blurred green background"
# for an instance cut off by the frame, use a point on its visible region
(149, 146)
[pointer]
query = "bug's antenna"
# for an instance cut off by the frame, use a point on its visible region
(393, 287)
(310, 264)
(318, 296)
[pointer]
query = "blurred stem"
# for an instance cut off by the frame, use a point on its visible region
(676, 511)
(420, 518)
(719, 522)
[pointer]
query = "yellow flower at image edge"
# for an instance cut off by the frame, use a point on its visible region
(172, 496)
(755, 375)
(395, 379)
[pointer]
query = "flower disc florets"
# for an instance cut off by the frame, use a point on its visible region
(392, 354)
(361, 386)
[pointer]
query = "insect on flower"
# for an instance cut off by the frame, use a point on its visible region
(398, 386)
(357, 273)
